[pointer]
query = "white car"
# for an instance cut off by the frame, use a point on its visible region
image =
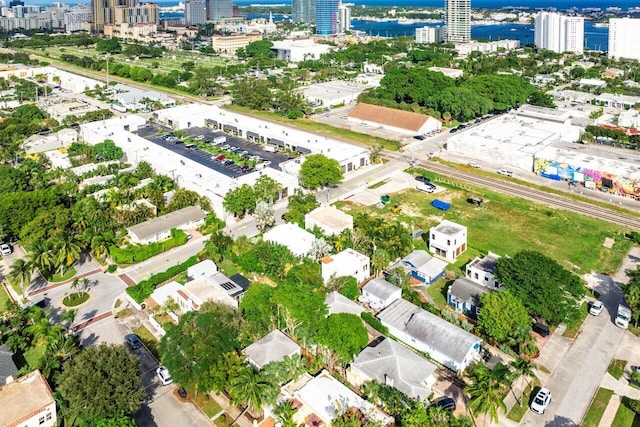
(473, 165)
(541, 401)
(427, 188)
(505, 172)
(596, 308)
(5, 249)
(163, 374)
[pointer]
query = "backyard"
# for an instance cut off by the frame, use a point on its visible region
(506, 225)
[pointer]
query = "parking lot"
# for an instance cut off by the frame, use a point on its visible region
(224, 163)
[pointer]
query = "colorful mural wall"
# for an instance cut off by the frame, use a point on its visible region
(590, 178)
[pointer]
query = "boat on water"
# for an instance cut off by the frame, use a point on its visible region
(601, 25)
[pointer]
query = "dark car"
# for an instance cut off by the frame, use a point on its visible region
(454, 130)
(420, 137)
(541, 329)
(423, 178)
(445, 402)
(182, 392)
(133, 341)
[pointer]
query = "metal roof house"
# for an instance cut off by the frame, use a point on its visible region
(446, 343)
(380, 292)
(273, 347)
(464, 296)
(393, 364)
(157, 229)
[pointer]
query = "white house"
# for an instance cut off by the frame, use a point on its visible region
(322, 398)
(446, 343)
(393, 364)
(201, 269)
(483, 271)
(299, 50)
(27, 402)
(273, 347)
(404, 122)
(422, 266)
(298, 241)
(157, 229)
(42, 143)
(329, 219)
(346, 263)
(448, 240)
(380, 293)
(337, 303)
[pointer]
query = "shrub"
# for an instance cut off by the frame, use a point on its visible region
(144, 289)
(634, 405)
(112, 268)
(374, 322)
(131, 255)
(349, 287)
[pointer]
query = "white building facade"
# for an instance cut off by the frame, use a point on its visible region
(623, 38)
(457, 17)
(559, 33)
(448, 240)
(430, 34)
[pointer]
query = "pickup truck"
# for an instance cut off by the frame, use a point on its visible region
(623, 316)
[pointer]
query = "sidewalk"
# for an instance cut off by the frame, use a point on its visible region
(230, 410)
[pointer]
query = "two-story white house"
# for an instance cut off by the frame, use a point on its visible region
(483, 271)
(346, 263)
(27, 402)
(448, 240)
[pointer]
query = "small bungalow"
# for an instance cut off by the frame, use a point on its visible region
(158, 229)
(273, 347)
(422, 266)
(380, 293)
(393, 364)
(297, 240)
(464, 296)
(338, 303)
(329, 219)
(446, 343)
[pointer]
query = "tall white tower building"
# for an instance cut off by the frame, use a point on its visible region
(623, 38)
(344, 17)
(457, 18)
(559, 33)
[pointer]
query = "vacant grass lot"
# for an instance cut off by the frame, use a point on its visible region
(596, 410)
(506, 225)
(169, 62)
(616, 368)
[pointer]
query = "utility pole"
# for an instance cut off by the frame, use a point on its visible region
(107, 70)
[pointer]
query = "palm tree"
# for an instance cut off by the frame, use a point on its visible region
(252, 388)
(292, 367)
(484, 391)
(524, 367)
(69, 316)
(284, 413)
(68, 252)
(41, 256)
(21, 271)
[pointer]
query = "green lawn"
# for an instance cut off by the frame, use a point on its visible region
(321, 128)
(597, 408)
(33, 356)
(507, 225)
(437, 292)
(148, 340)
(75, 299)
(4, 299)
(574, 327)
(625, 417)
(208, 405)
(518, 411)
(66, 275)
(616, 368)
(228, 268)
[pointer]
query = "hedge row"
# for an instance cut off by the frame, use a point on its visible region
(138, 253)
(374, 322)
(144, 289)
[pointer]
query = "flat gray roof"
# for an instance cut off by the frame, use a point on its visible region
(166, 222)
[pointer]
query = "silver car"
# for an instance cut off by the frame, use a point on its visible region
(596, 308)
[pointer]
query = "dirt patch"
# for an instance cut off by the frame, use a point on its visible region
(608, 242)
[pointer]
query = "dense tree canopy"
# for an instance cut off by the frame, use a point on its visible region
(545, 287)
(300, 204)
(320, 171)
(344, 334)
(502, 314)
(101, 382)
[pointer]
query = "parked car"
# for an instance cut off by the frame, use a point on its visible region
(505, 172)
(6, 249)
(182, 393)
(199, 138)
(423, 179)
(420, 137)
(163, 374)
(218, 158)
(541, 401)
(454, 130)
(541, 329)
(473, 165)
(444, 402)
(133, 341)
(596, 308)
(426, 188)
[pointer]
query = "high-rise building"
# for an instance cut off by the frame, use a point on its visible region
(76, 18)
(303, 11)
(559, 33)
(457, 18)
(218, 9)
(327, 17)
(344, 17)
(195, 12)
(623, 38)
(430, 35)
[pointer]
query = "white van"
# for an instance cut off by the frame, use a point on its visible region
(269, 148)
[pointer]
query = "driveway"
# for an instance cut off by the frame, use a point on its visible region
(160, 407)
(576, 378)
